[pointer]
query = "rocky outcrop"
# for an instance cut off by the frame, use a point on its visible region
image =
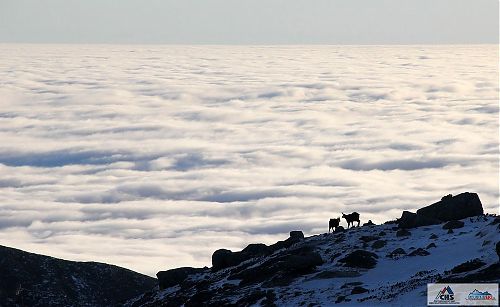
(468, 266)
(379, 244)
(403, 233)
(447, 209)
(360, 259)
(174, 277)
(411, 220)
(453, 225)
(454, 208)
(419, 252)
(224, 258)
(297, 235)
(280, 269)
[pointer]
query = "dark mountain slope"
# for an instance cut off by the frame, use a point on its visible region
(29, 279)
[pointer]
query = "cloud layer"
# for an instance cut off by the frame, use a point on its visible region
(152, 157)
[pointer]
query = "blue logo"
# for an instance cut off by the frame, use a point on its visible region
(480, 296)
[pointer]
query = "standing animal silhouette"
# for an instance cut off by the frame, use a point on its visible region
(351, 218)
(333, 224)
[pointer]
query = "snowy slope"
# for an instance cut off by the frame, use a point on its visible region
(394, 281)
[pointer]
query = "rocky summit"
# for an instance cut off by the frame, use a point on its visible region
(372, 265)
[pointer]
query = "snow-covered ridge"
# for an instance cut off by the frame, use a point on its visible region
(368, 266)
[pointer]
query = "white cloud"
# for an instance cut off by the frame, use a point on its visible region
(154, 158)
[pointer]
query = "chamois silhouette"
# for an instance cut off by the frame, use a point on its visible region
(351, 218)
(333, 224)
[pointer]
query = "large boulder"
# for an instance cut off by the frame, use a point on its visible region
(170, 278)
(297, 234)
(403, 233)
(379, 244)
(360, 259)
(256, 250)
(454, 207)
(453, 225)
(419, 252)
(411, 220)
(224, 258)
(358, 290)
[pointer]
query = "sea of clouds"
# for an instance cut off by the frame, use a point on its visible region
(152, 157)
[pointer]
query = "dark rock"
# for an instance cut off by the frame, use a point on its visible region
(351, 284)
(446, 197)
(369, 223)
(360, 259)
(302, 262)
(403, 233)
(358, 290)
(454, 208)
(296, 237)
(368, 238)
(297, 234)
(407, 220)
(224, 258)
(486, 242)
(431, 245)
(453, 225)
(379, 244)
(397, 253)
(257, 249)
(497, 247)
(468, 266)
(381, 234)
(450, 231)
(495, 221)
(433, 237)
(340, 299)
(419, 252)
(282, 269)
(488, 274)
(411, 220)
(174, 277)
(340, 229)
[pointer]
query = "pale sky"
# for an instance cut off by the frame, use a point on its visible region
(250, 22)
